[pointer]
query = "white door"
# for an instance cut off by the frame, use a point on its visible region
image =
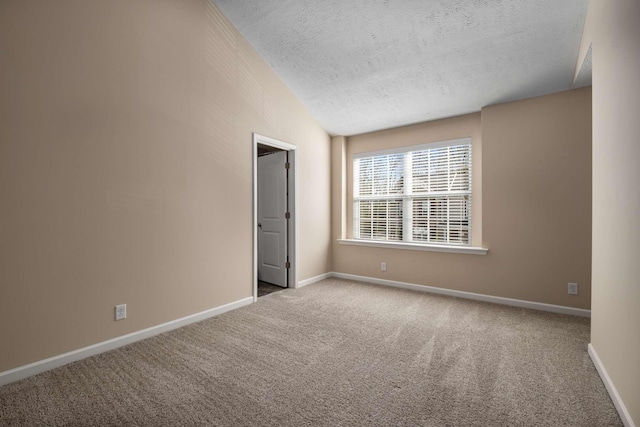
(272, 222)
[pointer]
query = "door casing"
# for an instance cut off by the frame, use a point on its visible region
(292, 191)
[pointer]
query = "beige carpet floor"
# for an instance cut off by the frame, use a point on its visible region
(336, 353)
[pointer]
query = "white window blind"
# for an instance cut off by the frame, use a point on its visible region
(417, 194)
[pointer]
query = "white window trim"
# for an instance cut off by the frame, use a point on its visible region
(470, 250)
(408, 195)
(430, 145)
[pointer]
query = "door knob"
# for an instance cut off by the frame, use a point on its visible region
(259, 225)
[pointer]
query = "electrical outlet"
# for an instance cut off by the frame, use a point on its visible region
(121, 311)
(383, 266)
(572, 289)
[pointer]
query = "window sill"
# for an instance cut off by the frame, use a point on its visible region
(471, 250)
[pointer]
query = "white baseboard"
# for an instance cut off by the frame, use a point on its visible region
(314, 279)
(25, 371)
(468, 295)
(615, 397)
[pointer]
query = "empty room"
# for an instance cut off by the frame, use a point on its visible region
(331, 213)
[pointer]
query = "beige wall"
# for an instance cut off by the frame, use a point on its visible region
(125, 168)
(615, 325)
(535, 203)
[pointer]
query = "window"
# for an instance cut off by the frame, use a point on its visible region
(415, 194)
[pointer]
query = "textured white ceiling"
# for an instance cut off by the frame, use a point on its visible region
(363, 65)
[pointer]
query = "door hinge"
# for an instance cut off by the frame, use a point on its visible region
(287, 215)
(287, 264)
(287, 165)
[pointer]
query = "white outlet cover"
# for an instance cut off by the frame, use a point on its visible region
(573, 289)
(121, 311)
(383, 266)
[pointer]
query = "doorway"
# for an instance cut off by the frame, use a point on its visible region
(274, 214)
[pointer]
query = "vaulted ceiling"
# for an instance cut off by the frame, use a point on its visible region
(362, 65)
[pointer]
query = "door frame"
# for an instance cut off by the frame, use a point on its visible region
(292, 191)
